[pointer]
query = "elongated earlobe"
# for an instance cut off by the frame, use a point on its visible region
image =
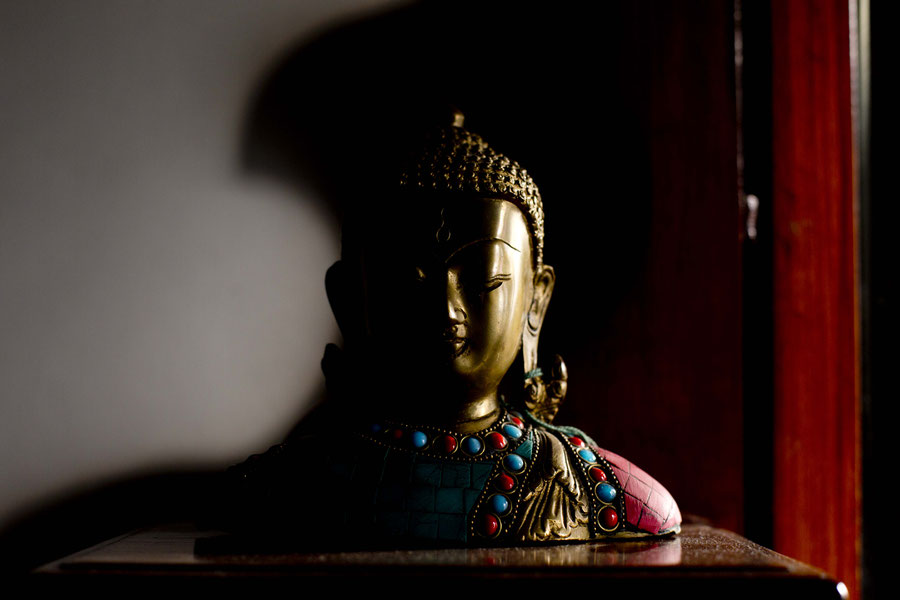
(544, 280)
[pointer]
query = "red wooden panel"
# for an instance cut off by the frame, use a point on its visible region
(816, 470)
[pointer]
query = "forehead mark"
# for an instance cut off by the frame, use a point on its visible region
(442, 235)
(462, 226)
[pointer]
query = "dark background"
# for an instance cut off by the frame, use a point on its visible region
(626, 120)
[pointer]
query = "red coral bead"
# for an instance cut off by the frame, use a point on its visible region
(609, 518)
(577, 441)
(490, 525)
(505, 482)
(598, 474)
(448, 444)
(517, 421)
(496, 440)
(397, 434)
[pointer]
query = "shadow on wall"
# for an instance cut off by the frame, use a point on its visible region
(337, 113)
(542, 88)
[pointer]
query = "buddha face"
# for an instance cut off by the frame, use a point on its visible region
(449, 301)
(483, 268)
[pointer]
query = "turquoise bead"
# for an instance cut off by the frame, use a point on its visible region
(499, 504)
(606, 492)
(472, 445)
(587, 455)
(418, 439)
(514, 462)
(512, 431)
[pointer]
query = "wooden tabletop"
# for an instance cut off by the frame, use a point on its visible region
(703, 561)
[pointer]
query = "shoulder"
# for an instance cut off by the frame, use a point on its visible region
(625, 500)
(649, 507)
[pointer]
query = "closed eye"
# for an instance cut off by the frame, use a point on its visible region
(496, 281)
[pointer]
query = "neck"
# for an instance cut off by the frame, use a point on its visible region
(474, 413)
(477, 413)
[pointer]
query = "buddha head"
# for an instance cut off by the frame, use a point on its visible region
(447, 283)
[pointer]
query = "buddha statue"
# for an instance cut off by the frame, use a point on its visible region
(439, 427)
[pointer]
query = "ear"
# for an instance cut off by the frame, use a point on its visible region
(544, 280)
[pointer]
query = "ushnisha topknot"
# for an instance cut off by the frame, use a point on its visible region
(453, 159)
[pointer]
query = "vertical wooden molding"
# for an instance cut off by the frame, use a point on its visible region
(817, 381)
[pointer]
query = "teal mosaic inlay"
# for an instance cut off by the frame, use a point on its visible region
(470, 497)
(401, 493)
(421, 498)
(452, 527)
(428, 473)
(480, 474)
(423, 525)
(449, 500)
(525, 448)
(456, 475)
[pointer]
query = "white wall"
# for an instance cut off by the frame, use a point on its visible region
(159, 307)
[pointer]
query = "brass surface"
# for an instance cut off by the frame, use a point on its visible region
(556, 506)
(440, 295)
(454, 290)
(542, 398)
(462, 306)
(454, 312)
(455, 160)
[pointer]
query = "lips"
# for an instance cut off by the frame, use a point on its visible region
(454, 342)
(457, 345)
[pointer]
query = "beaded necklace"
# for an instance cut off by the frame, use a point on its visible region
(477, 479)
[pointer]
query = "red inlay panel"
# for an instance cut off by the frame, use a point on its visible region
(648, 505)
(633, 509)
(638, 488)
(650, 522)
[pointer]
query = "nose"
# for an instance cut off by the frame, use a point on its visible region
(456, 311)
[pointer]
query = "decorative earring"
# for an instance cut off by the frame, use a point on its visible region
(543, 399)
